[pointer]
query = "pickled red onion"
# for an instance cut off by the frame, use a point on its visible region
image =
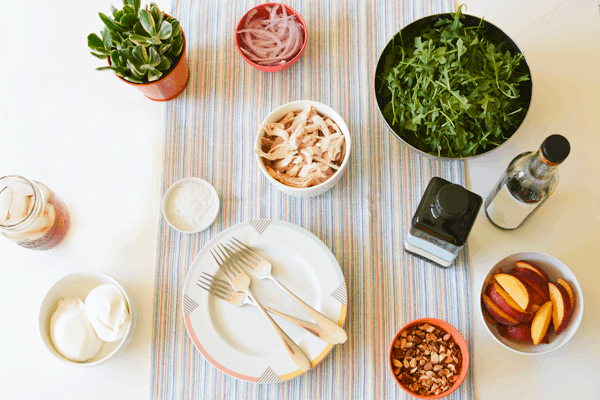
(273, 40)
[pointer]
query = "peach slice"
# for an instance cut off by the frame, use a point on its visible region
(515, 288)
(534, 280)
(541, 322)
(488, 318)
(569, 290)
(506, 303)
(520, 333)
(531, 266)
(497, 313)
(561, 310)
(536, 299)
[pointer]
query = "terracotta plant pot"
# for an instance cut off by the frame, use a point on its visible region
(171, 84)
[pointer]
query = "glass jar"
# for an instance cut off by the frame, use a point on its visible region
(31, 215)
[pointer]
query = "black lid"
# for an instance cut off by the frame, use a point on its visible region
(556, 148)
(452, 201)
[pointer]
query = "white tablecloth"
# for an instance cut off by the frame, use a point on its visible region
(97, 143)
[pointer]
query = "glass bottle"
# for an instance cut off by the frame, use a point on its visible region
(529, 181)
(31, 215)
(442, 223)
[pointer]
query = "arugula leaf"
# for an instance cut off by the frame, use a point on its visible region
(452, 90)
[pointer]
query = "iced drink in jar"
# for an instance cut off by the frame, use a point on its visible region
(31, 215)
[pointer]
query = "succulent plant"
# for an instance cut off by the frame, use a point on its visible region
(142, 44)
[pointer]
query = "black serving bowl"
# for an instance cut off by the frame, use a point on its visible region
(493, 33)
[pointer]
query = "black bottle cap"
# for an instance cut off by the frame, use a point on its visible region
(556, 148)
(452, 201)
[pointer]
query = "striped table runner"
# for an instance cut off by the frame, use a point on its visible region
(210, 132)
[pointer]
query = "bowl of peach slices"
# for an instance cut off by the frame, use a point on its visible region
(531, 303)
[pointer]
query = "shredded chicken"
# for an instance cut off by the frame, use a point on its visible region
(302, 149)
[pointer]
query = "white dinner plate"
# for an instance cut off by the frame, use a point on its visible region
(238, 340)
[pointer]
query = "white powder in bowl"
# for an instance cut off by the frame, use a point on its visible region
(191, 206)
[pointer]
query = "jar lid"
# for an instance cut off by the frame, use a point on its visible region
(452, 201)
(556, 148)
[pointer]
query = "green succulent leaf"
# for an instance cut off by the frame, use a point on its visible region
(165, 30)
(137, 72)
(139, 39)
(127, 44)
(154, 8)
(137, 5)
(106, 39)
(98, 55)
(128, 9)
(176, 27)
(116, 38)
(119, 15)
(114, 10)
(110, 23)
(154, 40)
(94, 41)
(154, 75)
(164, 64)
(100, 50)
(177, 41)
(129, 21)
(115, 59)
(153, 12)
(139, 29)
(146, 20)
(120, 71)
(164, 47)
(160, 19)
(146, 67)
(176, 51)
(153, 57)
(132, 79)
(140, 54)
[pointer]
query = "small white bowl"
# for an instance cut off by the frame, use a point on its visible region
(167, 198)
(79, 284)
(322, 109)
(555, 269)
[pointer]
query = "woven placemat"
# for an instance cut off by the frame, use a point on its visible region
(209, 133)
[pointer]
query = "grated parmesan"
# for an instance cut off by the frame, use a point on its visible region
(192, 206)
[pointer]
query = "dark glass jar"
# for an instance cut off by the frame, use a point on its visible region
(442, 223)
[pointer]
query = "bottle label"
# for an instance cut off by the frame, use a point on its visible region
(508, 212)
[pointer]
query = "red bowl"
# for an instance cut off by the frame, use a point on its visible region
(460, 341)
(262, 12)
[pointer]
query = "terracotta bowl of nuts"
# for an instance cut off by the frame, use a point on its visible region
(429, 358)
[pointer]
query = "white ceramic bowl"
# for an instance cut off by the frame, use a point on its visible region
(322, 109)
(79, 284)
(555, 269)
(167, 198)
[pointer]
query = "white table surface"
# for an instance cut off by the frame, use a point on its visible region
(98, 144)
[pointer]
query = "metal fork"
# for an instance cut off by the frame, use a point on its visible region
(261, 268)
(223, 290)
(241, 282)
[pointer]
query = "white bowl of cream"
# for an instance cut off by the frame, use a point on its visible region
(65, 325)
